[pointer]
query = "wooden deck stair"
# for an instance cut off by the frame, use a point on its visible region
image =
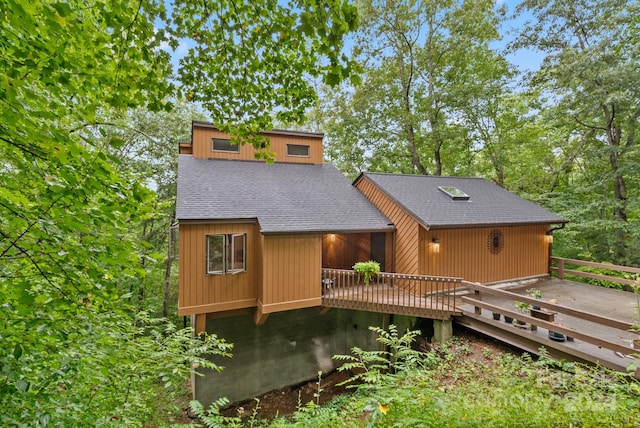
(587, 344)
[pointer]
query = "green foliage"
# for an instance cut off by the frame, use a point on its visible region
(328, 415)
(589, 68)
(99, 369)
(503, 390)
(534, 293)
(211, 417)
(149, 155)
(367, 269)
(425, 63)
(251, 60)
(81, 233)
(521, 306)
(373, 368)
(436, 99)
(601, 282)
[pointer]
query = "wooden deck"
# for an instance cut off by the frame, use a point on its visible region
(594, 321)
(412, 295)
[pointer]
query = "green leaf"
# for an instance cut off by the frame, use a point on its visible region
(116, 142)
(63, 9)
(17, 351)
(22, 385)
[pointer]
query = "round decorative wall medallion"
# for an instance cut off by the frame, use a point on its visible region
(495, 241)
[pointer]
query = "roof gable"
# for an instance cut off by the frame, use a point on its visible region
(284, 198)
(487, 204)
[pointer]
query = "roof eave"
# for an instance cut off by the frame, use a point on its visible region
(480, 225)
(317, 231)
(218, 220)
(307, 134)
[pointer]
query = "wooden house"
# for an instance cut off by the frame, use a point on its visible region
(254, 237)
(279, 240)
(462, 227)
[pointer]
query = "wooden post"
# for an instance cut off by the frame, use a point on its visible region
(561, 268)
(259, 317)
(321, 310)
(200, 323)
(544, 315)
(476, 294)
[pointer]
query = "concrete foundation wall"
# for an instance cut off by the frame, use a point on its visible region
(291, 347)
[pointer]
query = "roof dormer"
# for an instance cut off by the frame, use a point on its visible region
(208, 142)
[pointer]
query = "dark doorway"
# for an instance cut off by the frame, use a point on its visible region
(378, 246)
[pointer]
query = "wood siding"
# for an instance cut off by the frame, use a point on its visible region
(185, 149)
(291, 272)
(407, 229)
(202, 147)
(201, 293)
(465, 253)
(342, 251)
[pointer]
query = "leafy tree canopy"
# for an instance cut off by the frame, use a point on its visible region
(589, 78)
(424, 63)
(74, 351)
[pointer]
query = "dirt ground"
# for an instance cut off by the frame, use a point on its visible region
(285, 401)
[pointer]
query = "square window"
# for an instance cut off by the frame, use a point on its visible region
(226, 253)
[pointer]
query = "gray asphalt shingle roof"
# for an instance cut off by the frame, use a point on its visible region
(488, 204)
(283, 197)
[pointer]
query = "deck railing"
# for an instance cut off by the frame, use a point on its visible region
(607, 272)
(476, 299)
(416, 295)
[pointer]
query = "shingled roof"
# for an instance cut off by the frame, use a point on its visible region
(282, 197)
(487, 205)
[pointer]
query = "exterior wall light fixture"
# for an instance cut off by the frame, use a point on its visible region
(436, 245)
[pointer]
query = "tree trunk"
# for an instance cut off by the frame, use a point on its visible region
(433, 110)
(167, 274)
(436, 155)
(614, 137)
(406, 77)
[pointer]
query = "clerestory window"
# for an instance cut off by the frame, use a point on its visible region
(224, 145)
(298, 150)
(226, 253)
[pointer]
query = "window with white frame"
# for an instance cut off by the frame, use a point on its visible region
(226, 253)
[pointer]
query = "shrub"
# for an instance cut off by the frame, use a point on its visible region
(367, 269)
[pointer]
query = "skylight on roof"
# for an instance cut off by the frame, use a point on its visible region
(454, 193)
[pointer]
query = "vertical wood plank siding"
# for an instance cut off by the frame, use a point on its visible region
(407, 229)
(465, 253)
(202, 147)
(202, 293)
(292, 269)
(342, 251)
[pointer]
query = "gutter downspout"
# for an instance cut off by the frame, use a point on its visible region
(550, 233)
